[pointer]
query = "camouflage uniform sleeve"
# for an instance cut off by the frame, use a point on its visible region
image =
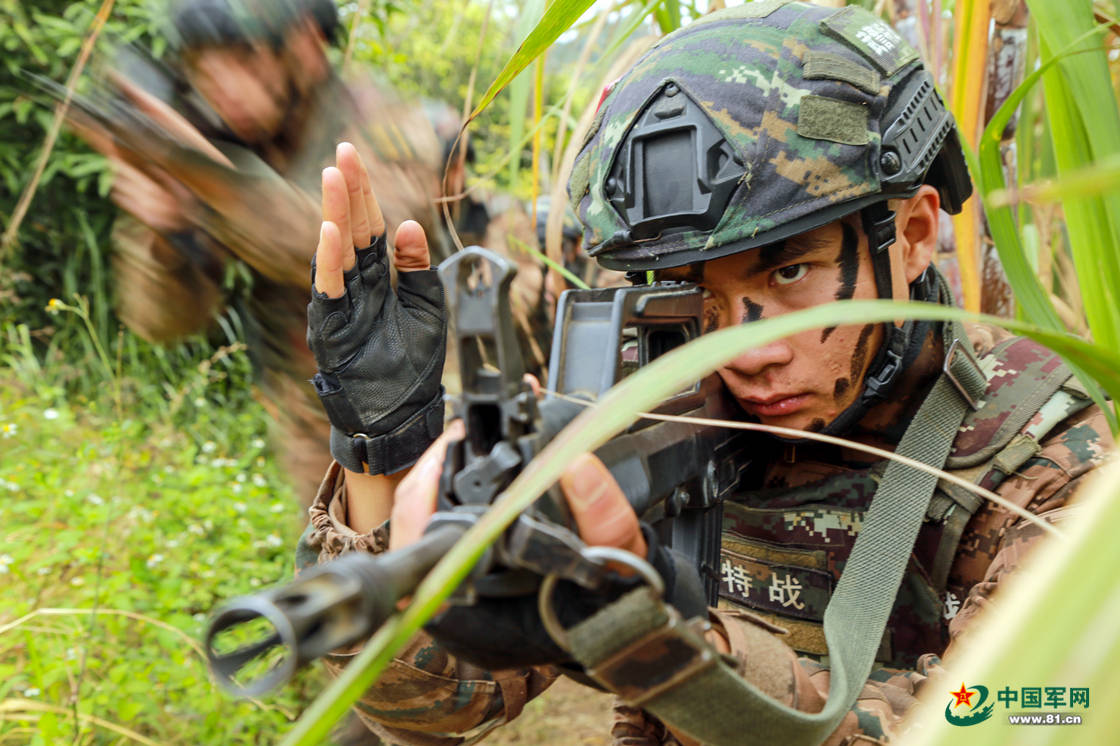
(162, 293)
(266, 220)
(994, 545)
(426, 696)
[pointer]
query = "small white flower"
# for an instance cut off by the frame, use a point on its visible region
(78, 581)
(6, 559)
(8, 429)
(71, 654)
(11, 486)
(94, 499)
(4, 570)
(209, 446)
(278, 508)
(274, 541)
(199, 617)
(255, 582)
(199, 402)
(239, 507)
(68, 493)
(236, 489)
(43, 571)
(50, 414)
(197, 530)
(154, 560)
(172, 543)
(31, 691)
(259, 480)
(257, 443)
(241, 477)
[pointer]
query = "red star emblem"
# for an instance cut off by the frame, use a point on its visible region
(964, 697)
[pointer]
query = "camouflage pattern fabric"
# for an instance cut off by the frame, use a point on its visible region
(426, 696)
(169, 286)
(784, 545)
(796, 90)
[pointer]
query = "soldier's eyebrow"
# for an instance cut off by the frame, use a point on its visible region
(785, 252)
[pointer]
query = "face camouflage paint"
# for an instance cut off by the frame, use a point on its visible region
(848, 260)
(751, 310)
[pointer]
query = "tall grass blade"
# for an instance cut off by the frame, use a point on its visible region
(1081, 108)
(557, 19)
(617, 410)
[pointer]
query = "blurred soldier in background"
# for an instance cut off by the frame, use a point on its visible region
(254, 120)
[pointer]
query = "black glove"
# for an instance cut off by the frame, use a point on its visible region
(380, 357)
(500, 633)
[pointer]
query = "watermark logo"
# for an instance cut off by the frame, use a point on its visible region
(969, 704)
(961, 710)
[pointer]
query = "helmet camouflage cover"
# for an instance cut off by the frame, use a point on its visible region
(754, 124)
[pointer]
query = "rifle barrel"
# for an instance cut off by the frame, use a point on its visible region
(328, 607)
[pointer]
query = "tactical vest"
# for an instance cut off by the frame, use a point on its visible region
(783, 550)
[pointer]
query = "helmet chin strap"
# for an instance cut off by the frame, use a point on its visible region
(895, 353)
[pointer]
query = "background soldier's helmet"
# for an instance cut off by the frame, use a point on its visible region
(757, 123)
(220, 23)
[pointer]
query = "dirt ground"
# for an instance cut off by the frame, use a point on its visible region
(567, 714)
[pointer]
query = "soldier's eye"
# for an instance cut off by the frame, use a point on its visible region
(790, 273)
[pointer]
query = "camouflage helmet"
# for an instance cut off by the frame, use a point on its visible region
(757, 123)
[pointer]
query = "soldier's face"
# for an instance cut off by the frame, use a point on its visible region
(246, 86)
(806, 380)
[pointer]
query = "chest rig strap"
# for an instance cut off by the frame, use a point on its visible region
(686, 684)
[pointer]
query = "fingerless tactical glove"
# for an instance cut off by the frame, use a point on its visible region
(380, 356)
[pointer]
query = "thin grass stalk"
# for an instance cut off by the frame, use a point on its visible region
(28, 709)
(24, 204)
(538, 98)
(970, 39)
(547, 261)
(617, 409)
(352, 37)
(793, 433)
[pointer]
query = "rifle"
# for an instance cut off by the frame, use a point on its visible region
(674, 474)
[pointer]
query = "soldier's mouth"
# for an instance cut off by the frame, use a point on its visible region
(779, 406)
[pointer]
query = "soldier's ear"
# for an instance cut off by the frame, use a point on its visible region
(917, 224)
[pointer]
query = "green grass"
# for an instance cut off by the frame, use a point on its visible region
(150, 524)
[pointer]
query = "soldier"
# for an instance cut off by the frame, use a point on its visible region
(274, 110)
(792, 155)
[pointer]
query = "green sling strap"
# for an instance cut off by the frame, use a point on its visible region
(641, 649)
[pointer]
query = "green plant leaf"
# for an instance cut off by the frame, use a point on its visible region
(556, 20)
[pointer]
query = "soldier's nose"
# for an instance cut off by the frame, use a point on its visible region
(754, 362)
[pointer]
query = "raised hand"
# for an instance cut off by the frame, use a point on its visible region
(380, 351)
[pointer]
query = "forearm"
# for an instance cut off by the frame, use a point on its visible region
(425, 691)
(369, 498)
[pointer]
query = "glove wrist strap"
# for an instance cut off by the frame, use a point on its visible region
(394, 450)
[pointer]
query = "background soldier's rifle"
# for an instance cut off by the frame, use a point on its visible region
(674, 474)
